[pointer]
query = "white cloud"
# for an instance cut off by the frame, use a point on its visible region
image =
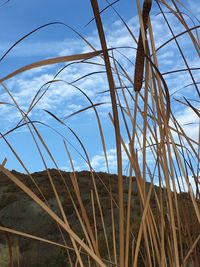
(189, 121)
(63, 99)
(98, 161)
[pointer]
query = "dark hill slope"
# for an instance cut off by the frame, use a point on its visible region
(19, 212)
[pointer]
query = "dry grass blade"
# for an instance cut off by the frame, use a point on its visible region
(25, 36)
(19, 233)
(140, 219)
(176, 36)
(24, 188)
(179, 15)
(191, 250)
(4, 162)
(116, 123)
(51, 61)
(104, 9)
(193, 108)
(9, 244)
(181, 52)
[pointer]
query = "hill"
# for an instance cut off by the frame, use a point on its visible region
(19, 212)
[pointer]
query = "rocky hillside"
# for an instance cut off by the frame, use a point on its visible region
(19, 212)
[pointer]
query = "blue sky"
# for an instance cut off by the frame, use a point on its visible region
(20, 17)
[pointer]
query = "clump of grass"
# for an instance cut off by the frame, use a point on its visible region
(163, 236)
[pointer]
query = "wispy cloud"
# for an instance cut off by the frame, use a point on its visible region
(63, 99)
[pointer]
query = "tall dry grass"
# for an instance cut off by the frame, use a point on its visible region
(164, 233)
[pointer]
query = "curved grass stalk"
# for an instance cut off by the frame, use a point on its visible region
(156, 146)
